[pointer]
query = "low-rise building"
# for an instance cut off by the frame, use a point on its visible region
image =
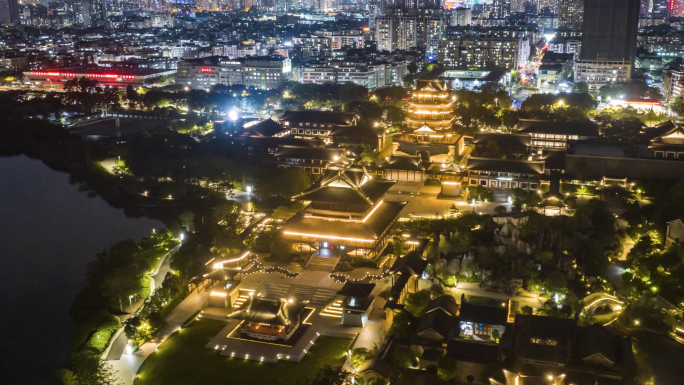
(261, 72)
(316, 124)
(603, 71)
(504, 173)
(104, 76)
(546, 133)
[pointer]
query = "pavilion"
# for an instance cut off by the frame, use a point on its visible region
(357, 303)
(346, 213)
(267, 319)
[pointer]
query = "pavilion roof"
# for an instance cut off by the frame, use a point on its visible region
(346, 185)
(273, 312)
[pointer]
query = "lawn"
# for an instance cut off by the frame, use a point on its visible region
(183, 359)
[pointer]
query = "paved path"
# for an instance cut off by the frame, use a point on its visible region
(118, 345)
(531, 300)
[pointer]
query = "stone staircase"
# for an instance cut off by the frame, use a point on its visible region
(277, 291)
(244, 296)
(334, 310)
(318, 263)
(323, 296)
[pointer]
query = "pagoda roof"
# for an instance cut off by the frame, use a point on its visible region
(273, 312)
(424, 130)
(265, 129)
(346, 185)
(367, 229)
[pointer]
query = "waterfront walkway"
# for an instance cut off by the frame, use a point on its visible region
(128, 365)
(118, 344)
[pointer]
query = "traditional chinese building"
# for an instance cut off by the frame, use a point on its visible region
(431, 106)
(430, 120)
(346, 213)
(666, 141)
(268, 320)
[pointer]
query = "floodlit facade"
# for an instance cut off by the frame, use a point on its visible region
(346, 213)
(431, 106)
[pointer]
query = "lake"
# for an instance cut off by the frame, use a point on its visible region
(49, 232)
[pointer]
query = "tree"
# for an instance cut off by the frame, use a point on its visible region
(329, 375)
(187, 217)
(402, 325)
(493, 149)
(399, 245)
(359, 356)
(446, 368)
(282, 213)
(543, 256)
(226, 241)
(280, 248)
(369, 154)
(121, 281)
(526, 310)
(417, 302)
(556, 282)
(403, 357)
(500, 209)
(580, 88)
(224, 211)
(676, 105)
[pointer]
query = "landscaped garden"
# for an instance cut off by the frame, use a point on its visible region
(183, 359)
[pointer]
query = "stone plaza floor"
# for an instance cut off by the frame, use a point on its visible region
(317, 291)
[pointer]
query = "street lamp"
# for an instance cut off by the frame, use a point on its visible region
(130, 302)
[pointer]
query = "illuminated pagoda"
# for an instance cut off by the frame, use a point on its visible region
(429, 123)
(346, 213)
(267, 319)
(430, 108)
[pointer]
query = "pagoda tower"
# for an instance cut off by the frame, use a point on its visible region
(431, 106)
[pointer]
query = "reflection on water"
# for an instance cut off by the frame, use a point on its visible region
(48, 233)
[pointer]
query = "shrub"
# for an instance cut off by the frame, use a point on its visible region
(359, 356)
(104, 332)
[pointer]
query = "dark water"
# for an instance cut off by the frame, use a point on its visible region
(48, 233)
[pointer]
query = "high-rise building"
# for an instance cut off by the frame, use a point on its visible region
(570, 15)
(502, 8)
(660, 9)
(403, 29)
(9, 11)
(609, 40)
(461, 17)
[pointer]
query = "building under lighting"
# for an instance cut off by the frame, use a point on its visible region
(431, 105)
(346, 214)
(268, 320)
(104, 76)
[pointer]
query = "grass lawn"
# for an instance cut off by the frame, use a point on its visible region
(183, 359)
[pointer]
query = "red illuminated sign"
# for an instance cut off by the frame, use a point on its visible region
(206, 70)
(72, 75)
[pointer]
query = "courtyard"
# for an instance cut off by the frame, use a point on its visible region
(184, 359)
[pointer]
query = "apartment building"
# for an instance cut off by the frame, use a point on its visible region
(478, 52)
